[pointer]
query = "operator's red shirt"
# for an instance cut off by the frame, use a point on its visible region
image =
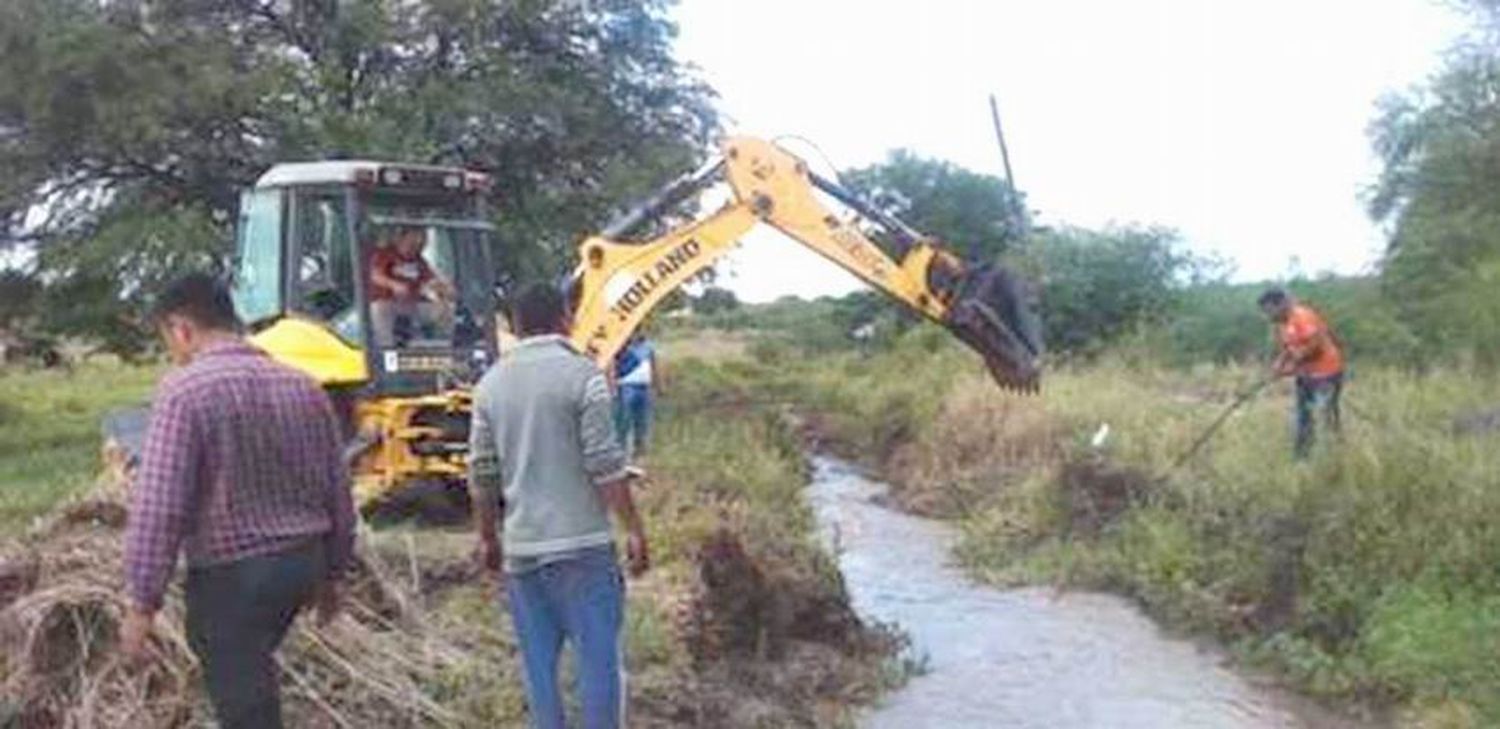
(1309, 339)
(412, 270)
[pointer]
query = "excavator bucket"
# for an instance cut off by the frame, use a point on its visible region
(995, 314)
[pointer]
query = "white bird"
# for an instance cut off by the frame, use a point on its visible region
(1100, 436)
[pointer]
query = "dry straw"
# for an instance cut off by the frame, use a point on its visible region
(61, 603)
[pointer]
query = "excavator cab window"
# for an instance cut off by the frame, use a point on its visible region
(456, 248)
(258, 255)
(323, 243)
(453, 320)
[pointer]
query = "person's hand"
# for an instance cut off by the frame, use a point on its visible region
(328, 601)
(440, 291)
(135, 634)
(397, 289)
(637, 552)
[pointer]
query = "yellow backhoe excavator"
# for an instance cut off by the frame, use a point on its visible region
(309, 234)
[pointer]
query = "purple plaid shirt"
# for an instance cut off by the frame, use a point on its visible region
(243, 458)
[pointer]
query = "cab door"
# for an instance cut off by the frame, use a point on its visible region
(323, 280)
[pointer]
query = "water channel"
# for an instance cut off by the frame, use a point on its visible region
(1025, 657)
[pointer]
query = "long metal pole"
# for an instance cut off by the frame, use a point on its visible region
(1010, 179)
(1208, 433)
(1000, 136)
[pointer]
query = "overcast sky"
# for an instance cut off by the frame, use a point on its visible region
(1240, 123)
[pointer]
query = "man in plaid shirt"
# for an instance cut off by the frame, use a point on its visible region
(243, 472)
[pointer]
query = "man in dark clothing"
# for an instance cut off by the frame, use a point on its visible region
(242, 471)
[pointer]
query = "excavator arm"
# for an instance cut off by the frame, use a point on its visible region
(619, 281)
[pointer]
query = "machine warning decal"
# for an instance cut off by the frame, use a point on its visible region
(399, 361)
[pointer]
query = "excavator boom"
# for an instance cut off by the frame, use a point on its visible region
(619, 281)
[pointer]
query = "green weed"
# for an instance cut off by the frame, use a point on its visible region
(50, 431)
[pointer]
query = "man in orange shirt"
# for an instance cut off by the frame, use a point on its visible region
(1310, 352)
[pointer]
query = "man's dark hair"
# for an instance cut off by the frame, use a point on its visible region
(199, 298)
(539, 309)
(1274, 296)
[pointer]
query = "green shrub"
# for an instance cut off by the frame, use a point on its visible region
(1435, 642)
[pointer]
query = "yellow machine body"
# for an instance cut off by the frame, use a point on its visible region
(391, 426)
(310, 346)
(618, 281)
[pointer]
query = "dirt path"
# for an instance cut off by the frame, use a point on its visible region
(1029, 657)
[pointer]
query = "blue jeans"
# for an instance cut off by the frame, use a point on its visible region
(633, 417)
(1315, 393)
(580, 600)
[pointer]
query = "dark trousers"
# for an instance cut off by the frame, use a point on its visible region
(237, 615)
(1314, 393)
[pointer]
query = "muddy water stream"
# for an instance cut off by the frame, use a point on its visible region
(1025, 657)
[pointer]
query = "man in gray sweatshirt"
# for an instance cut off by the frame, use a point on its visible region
(544, 461)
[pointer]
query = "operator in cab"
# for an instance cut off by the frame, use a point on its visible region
(403, 285)
(1309, 351)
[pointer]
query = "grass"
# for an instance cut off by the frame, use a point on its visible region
(50, 431)
(1367, 573)
(721, 473)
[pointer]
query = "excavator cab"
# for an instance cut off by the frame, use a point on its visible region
(311, 241)
(314, 244)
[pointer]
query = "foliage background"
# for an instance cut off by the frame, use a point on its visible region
(127, 128)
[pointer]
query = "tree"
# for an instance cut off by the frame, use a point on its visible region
(976, 214)
(1100, 285)
(715, 300)
(126, 128)
(1440, 147)
(1096, 285)
(19, 293)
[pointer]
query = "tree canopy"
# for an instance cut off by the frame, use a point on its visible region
(127, 128)
(1440, 148)
(975, 213)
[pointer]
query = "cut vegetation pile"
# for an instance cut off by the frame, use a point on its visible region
(381, 664)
